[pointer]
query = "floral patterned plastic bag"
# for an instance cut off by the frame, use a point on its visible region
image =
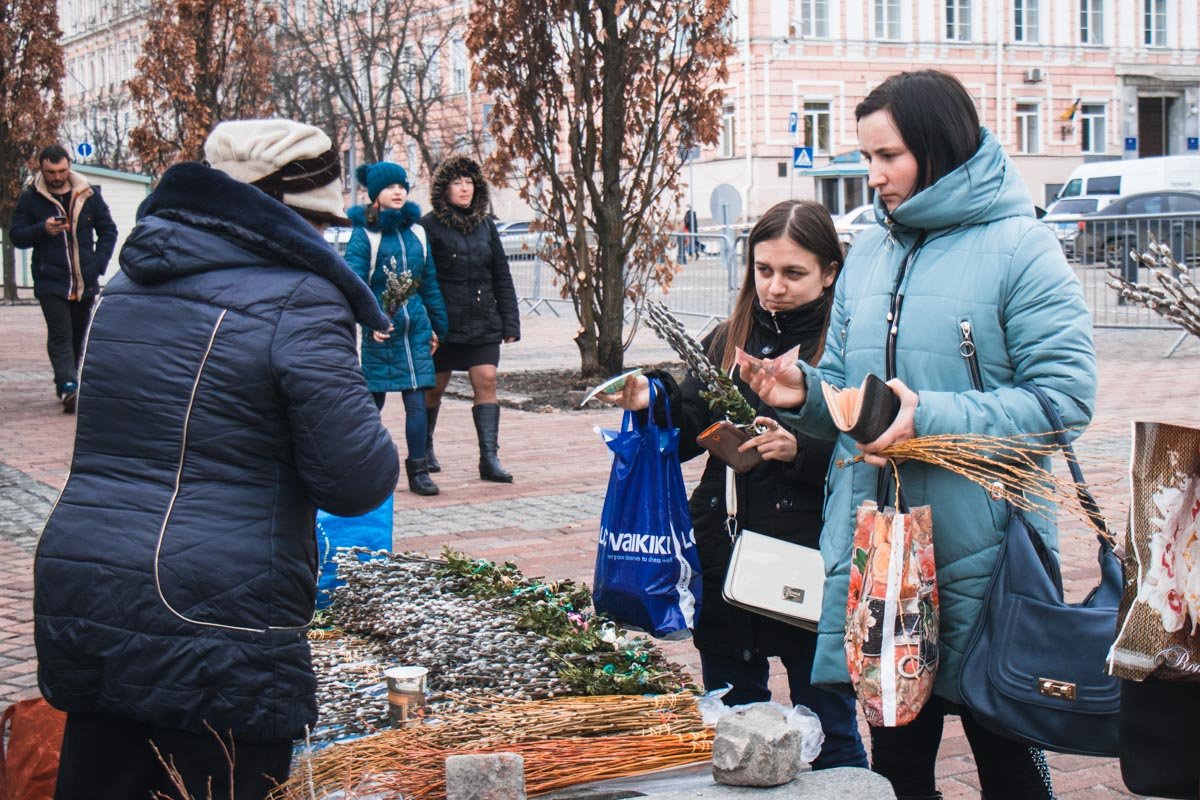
(892, 613)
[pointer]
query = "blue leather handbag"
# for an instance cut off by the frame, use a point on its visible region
(1034, 670)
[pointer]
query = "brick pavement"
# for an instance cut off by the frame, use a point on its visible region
(547, 520)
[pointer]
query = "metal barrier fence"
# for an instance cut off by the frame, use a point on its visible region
(713, 265)
(703, 289)
(1100, 244)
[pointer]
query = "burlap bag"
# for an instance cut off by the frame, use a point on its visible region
(1158, 625)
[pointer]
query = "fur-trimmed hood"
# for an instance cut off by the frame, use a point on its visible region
(389, 219)
(208, 199)
(450, 216)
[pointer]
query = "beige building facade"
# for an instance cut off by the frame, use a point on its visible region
(1059, 82)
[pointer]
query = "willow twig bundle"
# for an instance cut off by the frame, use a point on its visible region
(566, 719)
(1008, 468)
(1176, 296)
(553, 764)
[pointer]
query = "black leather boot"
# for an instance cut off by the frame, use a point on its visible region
(431, 415)
(419, 481)
(487, 428)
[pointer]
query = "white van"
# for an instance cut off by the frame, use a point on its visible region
(1130, 176)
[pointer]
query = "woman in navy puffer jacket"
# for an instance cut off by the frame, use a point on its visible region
(220, 404)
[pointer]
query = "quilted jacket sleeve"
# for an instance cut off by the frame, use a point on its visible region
(431, 296)
(503, 289)
(105, 228)
(358, 253)
(342, 451)
(1048, 334)
(26, 230)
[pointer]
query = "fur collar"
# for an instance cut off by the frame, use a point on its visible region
(209, 199)
(463, 221)
(389, 219)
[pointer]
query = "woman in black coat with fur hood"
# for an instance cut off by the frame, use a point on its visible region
(473, 273)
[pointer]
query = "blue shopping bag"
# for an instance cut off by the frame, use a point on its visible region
(647, 566)
(372, 530)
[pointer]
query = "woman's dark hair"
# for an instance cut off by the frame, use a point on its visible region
(804, 223)
(935, 116)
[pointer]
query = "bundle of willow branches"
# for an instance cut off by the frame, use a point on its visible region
(582, 739)
(401, 285)
(1009, 468)
(1176, 296)
(720, 392)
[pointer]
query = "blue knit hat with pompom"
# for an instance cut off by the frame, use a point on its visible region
(380, 175)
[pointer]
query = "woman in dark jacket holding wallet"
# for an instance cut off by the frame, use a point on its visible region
(480, 298)
(793, 259)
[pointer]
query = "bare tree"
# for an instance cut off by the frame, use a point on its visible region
(107, 125)
(31, 103)
(594, 101)
(383, 65)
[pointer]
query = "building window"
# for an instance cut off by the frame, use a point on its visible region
(1091, 127)
(887, 19)
(1025, 20)
(818, 121)
(458, 56)
(727, 131)
(1027, 128)
(814, 19)
(958, 20)
(1091, 21)
(1155, 22)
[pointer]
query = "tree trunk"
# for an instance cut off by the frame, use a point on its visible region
(10, 268)
(611, 323)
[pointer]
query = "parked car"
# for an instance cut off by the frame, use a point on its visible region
(520, 244)
(1120, 177)
(1063, 218)
(339, 238)
(854, 222)
(1128, 223)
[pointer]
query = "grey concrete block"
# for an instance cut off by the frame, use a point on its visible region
(493, 776)
(755, 746)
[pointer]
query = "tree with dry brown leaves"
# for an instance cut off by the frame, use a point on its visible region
(593, 103)
(31, 103)
(203, 62)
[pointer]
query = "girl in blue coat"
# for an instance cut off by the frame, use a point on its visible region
(401, 360)
(962, 296)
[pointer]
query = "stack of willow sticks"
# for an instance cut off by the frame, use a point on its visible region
(565, 741)
(1009, 468)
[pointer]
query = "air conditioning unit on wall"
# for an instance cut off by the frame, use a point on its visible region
(1035, 75)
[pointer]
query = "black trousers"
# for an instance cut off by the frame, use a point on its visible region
(66, 324)
(111, 757)
(906, 756)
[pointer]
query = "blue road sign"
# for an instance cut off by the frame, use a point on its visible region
(1194, 143)
(1131, 143)
(84, 150)
(802, 158)
(793, 122)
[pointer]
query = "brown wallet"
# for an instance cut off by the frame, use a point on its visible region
(722, 439)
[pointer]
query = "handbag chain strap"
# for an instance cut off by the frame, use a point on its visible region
(1086, 501)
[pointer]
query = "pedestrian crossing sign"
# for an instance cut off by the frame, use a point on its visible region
(802, 158)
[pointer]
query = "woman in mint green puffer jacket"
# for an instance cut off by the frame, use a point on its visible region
(963, 296)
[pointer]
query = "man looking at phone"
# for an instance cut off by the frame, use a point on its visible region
(69, 227)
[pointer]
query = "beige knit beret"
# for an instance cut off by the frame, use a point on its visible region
(290, 161)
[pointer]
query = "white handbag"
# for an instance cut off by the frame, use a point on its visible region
(769, 576)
